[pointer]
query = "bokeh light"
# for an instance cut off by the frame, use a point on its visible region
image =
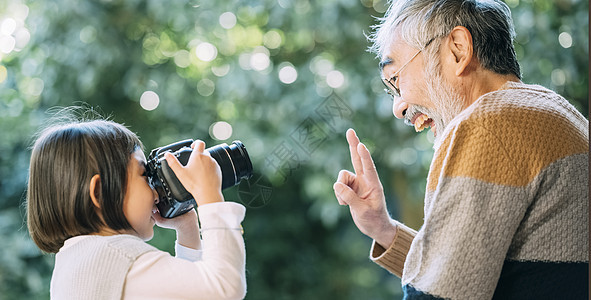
(22, 37)
(32, 87)
(220, 130)
(226, 110)
(19, 11)
(13, 35)
(220, 71)
(182, 58)
(259, 60)
(88, 34)
(408, 156)
(335, 79)
(206, 51)
(149, 100)
(227, 20)
(205, 87)
(272, 39)
(565, 40)
(321, 66)
(287, 73)
(8, 26)
(7, 44)
(244, 61)
(558, 77)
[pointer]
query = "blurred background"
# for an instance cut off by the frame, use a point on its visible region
(286, 77)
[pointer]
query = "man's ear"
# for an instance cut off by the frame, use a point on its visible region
(95, 190)
(462, 48)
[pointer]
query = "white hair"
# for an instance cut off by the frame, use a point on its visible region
(489, 22)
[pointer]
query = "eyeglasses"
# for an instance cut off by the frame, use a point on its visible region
(391, 88)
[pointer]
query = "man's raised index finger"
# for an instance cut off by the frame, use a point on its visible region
(353, 141)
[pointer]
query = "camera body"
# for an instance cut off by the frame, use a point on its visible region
(174, 199)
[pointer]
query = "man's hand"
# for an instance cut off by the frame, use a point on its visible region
(364, 194)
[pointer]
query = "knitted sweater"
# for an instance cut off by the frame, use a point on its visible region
(125, 267)
(506, 206)
(96, 268)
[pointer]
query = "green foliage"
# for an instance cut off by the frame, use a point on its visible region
(300, 242)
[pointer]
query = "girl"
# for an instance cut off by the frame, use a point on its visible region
(89, 201)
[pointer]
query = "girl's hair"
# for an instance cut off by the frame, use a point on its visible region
(64, 158)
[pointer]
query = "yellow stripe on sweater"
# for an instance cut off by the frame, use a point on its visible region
(509, 146)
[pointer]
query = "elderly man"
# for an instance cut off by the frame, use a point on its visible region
(506, 205)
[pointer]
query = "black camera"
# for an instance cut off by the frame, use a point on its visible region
(174, 199)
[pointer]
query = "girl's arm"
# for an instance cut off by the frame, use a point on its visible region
(186, 227)
(219, 274)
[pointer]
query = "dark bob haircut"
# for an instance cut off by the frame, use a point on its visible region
(64, 158)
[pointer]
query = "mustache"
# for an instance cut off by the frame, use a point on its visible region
(413, 110)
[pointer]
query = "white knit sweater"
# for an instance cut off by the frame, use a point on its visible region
(125, 267)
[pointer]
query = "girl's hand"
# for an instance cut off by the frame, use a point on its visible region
(185, 225)
(185, 222)
(202, 176)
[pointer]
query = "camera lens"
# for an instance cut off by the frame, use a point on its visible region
(233, 161)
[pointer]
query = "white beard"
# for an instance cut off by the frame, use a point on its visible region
(447, 101)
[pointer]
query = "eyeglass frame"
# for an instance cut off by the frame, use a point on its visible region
(391, 88)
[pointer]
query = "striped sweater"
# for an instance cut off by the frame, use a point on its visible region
(506, 206)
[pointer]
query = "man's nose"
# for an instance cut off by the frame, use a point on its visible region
(399, 107)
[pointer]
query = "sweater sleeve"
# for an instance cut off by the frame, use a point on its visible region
(187, 253)
(393, 258)
(219, 274)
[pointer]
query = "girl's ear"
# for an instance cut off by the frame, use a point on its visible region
(95, 190)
